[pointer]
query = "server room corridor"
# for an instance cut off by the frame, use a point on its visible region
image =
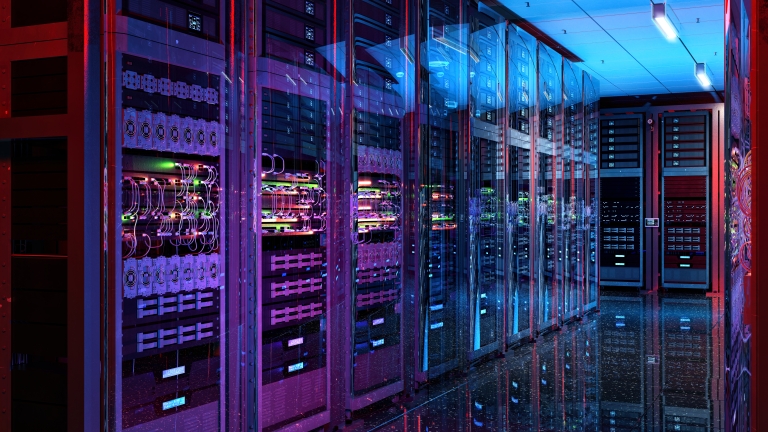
(383, 215)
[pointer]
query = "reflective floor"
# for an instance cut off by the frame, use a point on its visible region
(643, 363)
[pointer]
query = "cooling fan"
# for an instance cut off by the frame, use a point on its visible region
(173, 274)
(188, 273)
(130, 128)
(145, 271)
(130, 278)
(159, 276)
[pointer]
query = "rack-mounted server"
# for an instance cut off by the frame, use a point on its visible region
(621, 200)
(685, 228)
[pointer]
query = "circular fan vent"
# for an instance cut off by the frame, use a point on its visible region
(174, 134)
(160, 131)
(200, 270)
(188, 135)
(130, 128)
(174, 272)
(146, 130)
(213, 270)
(160, 276)
(146, 279)
(200, 137)
(130, 277)
(214, 139)
(188, 274)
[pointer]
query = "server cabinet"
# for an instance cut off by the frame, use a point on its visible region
(685, 141)
(522, 65)
(686, 364)
(621, 200)
(485, 180)
(549, 135)
(571, 205)
(445, 99)
(381, 76)
(167, 174)
(591, 96)
(301, 241)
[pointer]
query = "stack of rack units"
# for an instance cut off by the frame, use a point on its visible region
(521, 90)
(485, 181)
(293, 257)
(440, 275)
(685, 240)
(171, 230)
(621, 192)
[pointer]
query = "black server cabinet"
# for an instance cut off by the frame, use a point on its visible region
(548, 271)
(621, 200)
(521, 99)
(485, 180)
(441, 254)
(685, 146)
(381, 76)
(592, 200)
(573, 231)
(168, 187)
(297, 214)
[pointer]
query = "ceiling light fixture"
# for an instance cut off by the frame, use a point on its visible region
(702, 74)
(665, 20)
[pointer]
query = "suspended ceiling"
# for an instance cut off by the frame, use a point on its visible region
(619, 43)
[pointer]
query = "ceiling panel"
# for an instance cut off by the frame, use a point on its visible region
(619, 42)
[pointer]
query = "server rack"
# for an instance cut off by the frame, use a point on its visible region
(590, 153)
(548, 142)
(301, 241)
(520, 212)
(485, 180)
(167, 174)
(572, 230)
(380, 88)
(440, 297)
(685, 141)
(621, 200)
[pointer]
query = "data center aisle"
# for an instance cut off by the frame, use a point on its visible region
(643, 363)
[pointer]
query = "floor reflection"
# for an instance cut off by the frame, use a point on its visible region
(643, 363)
